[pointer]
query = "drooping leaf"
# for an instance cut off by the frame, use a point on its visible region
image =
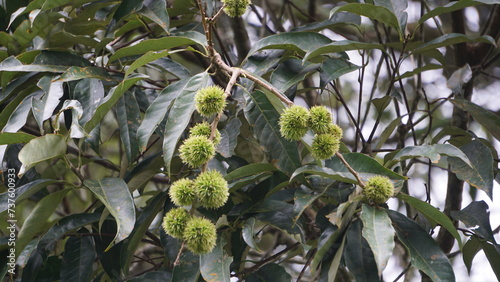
(483, 116)
(38, 219)
(43, 109)
(365, 166)
(480, 175)
(408, 152)
(111, 99)
(76, 131)
(165, 43)
(144, 59)
(469, 251)
(214, 266)
(424, 251)
(159, 108)
(269, 272)
(459, 78)
(263, 118)
(379, 234)
(7, 138)
(78, 258)
(432, 214)
(156, 10)
(335, 264)
(358, 256)
(332, 69)
(128, 115)
(248, 233)
(229, 138)
(477, 217)
(180, 114)
(114, 194)
(338, 19)
(41, 149)
(397, 7)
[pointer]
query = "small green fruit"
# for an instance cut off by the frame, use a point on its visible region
(320, 119)
(197, 150)
(378, 189)
(294, 122)
(324, 146)
(175, 222)
(335, 130)
(204, 129)
(182, 192)
(200, 235)
(212, 189)
(210, 100)
(235, 8)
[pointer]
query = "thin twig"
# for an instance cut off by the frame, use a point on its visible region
(178, 259)
(351, 170)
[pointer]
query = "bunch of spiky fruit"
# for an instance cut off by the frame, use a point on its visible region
(209, 189)
(296, 120)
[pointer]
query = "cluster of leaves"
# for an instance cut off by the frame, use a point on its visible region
(98, 96)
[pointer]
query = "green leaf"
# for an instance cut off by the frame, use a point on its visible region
(290, 73)
(248, 233)
(189, 268)
(269, 272)
(492, 253)
(432, 214)
(419, 71)
(229, 138)
(111, 99)
(71, 222)
(389, 129)
(248, 170)
(424, 251)
(337, 259)
(43, 109)
(296, 41)
(452, 151)
(215, 265)
(397, 7)
(332, 69)
(77, 73)
(41, 149)
(142, 225)
(454, 6)
(128, 115)
(378, 232)
(477, 217)
(358, 257)
(469, 251)
(483, 116)
(378, 13)
(12, 64)
(341, 46)
(38, 219)
(156, 112)
(409, 152)
(146, 58)
(331, 238)
(480, 175)
(114, 194)
(263, 118)
(76, 131)
(165, 43)
(156, 10)
(24, 192)
(452, 39)
(303, 199)
(180, 115)
(78, 258)
(364, 165)
(7, 138)
(338, 19)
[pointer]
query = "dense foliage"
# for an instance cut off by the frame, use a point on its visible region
(206, 140)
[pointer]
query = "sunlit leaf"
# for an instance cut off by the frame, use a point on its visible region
(41, 149)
